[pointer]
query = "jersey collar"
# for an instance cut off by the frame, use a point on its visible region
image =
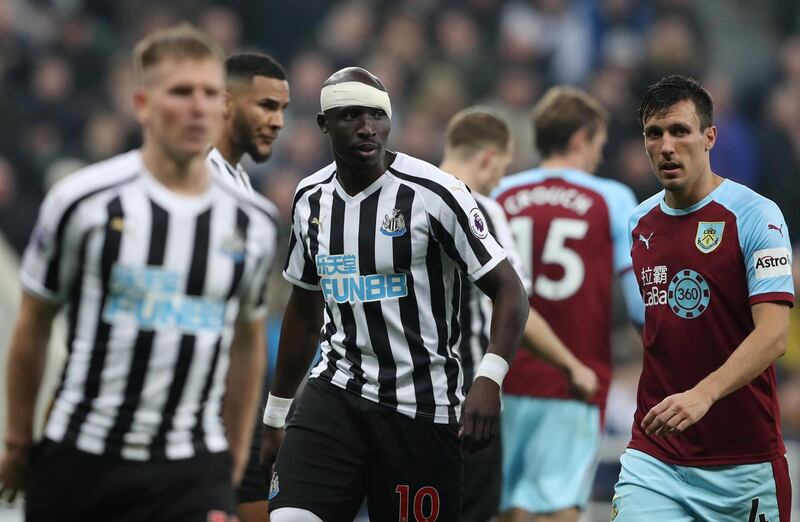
(666, 209)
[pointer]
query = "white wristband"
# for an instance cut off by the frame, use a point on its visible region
(493, 367)
(276, 411)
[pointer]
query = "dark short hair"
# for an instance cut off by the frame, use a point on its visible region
(665, 93)
(476, 127)
(562, 112)
(245, 66)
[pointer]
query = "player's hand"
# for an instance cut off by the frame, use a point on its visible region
(583, 382)
(270, 444)
(676, 413)
(480, 420)
(14, 466)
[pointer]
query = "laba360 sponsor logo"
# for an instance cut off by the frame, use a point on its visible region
(772, 262)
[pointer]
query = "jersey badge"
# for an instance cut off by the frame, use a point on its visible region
(274, 486)
(394, 224)
(477, 224)
(709, 235)
(646, 240)
(234, 246)
(614, 507)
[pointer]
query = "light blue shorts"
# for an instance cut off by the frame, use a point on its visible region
(549, 453)
(649, 489)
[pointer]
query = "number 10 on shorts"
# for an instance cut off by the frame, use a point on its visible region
(421, 505)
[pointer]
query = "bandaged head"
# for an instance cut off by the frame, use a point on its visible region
(354, 93)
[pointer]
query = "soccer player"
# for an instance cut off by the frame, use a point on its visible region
(571, 230)
(713, 261)
(257, 95)
(162, 266)
(377, 244)
(478, 152)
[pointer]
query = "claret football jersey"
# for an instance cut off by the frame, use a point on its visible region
(700, 269)
(571, 233)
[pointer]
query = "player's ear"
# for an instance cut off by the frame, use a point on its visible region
(709, 137)
(487, 155)
(228, 101)
(140, 103)
(578, 138)
(322, 122)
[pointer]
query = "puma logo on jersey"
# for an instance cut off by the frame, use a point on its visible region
(770, 226)
(120, 224)
(646, 240)
(318, 222)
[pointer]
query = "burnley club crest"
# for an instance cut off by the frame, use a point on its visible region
(709, 235)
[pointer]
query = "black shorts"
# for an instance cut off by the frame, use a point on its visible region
(254, 487)
(69, 485)
(340, 447)
(483, 475)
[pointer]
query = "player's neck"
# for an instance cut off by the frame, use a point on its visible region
(183, 177)
(354, 179)
(563, 161)
(464, 172)
(229, 150)
(694, 193)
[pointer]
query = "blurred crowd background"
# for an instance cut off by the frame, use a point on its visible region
(65, 91)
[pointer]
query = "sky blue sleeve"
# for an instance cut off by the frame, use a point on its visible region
(621, 205)
(766, 249)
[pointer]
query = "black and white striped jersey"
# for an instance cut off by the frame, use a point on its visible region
(236, 174)
(475, 315)
(387, 262)
(153, 281)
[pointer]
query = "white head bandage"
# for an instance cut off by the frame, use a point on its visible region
(354, 93)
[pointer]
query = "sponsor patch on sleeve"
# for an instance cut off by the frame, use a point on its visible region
(772, 262)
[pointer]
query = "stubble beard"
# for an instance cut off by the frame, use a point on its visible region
(245, 138)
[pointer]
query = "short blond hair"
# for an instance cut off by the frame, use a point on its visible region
(179, 41)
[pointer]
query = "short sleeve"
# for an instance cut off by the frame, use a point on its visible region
(253, 304)
(505, 237)
(463, 232)
(767, 253)
(621, 203)
(300, 269)
(49, 264)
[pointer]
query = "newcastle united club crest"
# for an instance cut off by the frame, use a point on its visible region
(394, 224)
(709, 235)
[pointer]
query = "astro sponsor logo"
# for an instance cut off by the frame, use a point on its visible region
(772, 262)
(154, 298)
(340, 281)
